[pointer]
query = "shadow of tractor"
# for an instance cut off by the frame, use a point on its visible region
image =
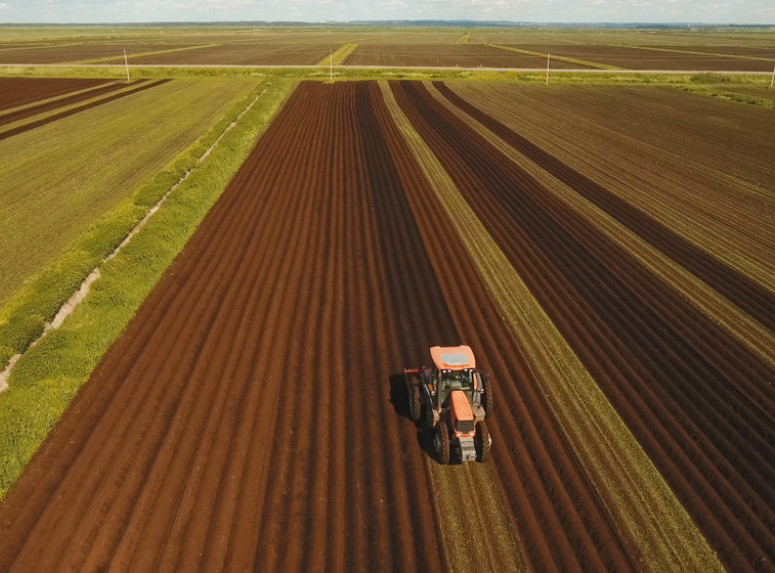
(399, 398)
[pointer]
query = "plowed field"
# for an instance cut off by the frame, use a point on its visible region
(22, 91)
(252, 415)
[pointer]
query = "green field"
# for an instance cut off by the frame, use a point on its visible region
(58, 178)
(49, 375)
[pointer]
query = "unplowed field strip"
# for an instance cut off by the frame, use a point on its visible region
(143, 85)
(20, 91)
(700, 404)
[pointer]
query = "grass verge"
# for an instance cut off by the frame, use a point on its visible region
(49, 375)
(601, 77)
(726, 92)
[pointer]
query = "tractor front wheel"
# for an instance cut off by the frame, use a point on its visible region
(482, 441)
(441, 442)
(415, 404)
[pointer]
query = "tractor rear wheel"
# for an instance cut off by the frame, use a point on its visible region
(486, 395)
(482, 441)
(415, 404)
(441, 442)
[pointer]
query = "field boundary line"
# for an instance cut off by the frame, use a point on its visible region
(732, 319)
(595, 65)
(654, 520)
(79, 295)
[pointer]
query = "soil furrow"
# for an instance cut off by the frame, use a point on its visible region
(526, 206)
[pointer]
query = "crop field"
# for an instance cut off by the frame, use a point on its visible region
(707, 50)
(47, 195)
(430, 55)
(611, 270)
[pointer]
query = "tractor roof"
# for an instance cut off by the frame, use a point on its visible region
(453, 357)
(461, 406)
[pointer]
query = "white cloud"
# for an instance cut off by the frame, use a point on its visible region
(68, 11)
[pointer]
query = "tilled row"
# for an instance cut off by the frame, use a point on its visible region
(233, 424)
(16, 92)
(697, 401)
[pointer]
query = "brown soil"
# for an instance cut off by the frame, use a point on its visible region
(244, 418)
(16, 92)
(698, 402)
(252, 415)
(272, 53)
(646, 59)
(57, 54)
(448, 55)
(65, 101)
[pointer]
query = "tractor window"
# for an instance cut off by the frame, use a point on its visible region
(465, 426)
(459, 380)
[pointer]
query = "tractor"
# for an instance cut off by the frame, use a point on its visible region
(452, 397)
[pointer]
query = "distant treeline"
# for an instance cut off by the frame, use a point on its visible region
(417, 23)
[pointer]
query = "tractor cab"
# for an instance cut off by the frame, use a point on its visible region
(454, 368)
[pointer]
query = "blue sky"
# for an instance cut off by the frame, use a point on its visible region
(582, 11)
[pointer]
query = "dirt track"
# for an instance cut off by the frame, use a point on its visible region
(251, 415)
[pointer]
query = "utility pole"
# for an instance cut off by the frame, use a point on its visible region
(548, 57)
(331, 68)
(773, 78)
(126, 63)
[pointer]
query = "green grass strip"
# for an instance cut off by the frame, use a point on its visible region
(340, 55)
(50, 374)
(577, 62)
(728, 94)
(343, 73)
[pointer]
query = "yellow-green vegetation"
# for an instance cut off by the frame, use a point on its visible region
(636, 495)
(340, 55)
(49, 374)
(737, 94)
(58, 178)
(464, 39)
(126, 89)
(493, 546)
(345, 73)
(575, 61)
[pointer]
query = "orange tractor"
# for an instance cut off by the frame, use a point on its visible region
(453, 398)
